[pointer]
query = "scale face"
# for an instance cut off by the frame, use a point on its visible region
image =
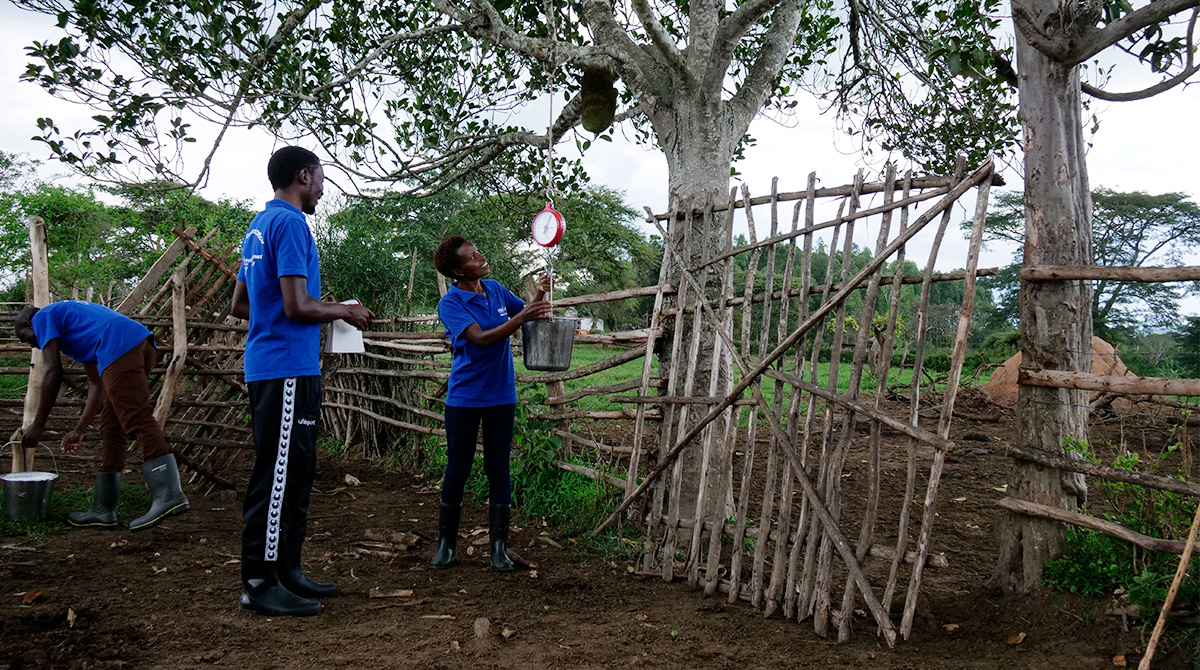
(548, 226)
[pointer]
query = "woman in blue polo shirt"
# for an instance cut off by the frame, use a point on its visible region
(480, 315)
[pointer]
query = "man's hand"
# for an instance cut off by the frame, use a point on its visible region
(358, 316)
(71, 441)
(31, 436)
(544, 283)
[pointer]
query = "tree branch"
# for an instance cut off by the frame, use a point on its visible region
(1094, 40)
(776, 45)
(1190, 68)
(732, 29)
(1053, 47)
(662, 41)
(640, 68)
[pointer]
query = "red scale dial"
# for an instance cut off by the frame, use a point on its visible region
(548, 226)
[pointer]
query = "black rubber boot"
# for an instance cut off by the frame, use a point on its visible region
(162, 476)
(103, 513)
(448, 519)
(263, 594)
(292, 577)
(498, 517)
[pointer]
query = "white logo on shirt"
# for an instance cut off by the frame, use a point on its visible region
(249, 261)
(502, 311)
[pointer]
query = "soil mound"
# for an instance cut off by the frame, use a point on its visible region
(1002, 387)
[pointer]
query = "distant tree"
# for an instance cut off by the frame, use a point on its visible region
(1188, 354)
(1132, 229)
(94, 244)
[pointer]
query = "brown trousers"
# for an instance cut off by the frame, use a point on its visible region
(127, 410)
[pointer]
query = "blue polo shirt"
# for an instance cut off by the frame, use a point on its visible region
(479, 376)
(278, 244)
(87, 332)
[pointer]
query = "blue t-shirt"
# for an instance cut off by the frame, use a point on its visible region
(87, 332)
(278, 244)
(479, 376)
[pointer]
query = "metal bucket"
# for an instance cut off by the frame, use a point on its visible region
(548, 343)
(27, 494)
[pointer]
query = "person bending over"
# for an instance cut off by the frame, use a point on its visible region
(117, 354)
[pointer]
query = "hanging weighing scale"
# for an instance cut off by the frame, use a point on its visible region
(548, 343)
(548, 226)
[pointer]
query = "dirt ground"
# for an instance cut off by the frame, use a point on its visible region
(166, 598)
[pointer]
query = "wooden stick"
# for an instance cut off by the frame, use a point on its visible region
(1116, 272)
(957, 356)
(600, 390)
(1109, 383)
(817, 316)
(865, 333)
(927, 182)
(1076, 519)
(611, 296)
(779, 560)
(828, 521)
(712, 571)
(831, 453)
(805, 524)
(150, 279)
(767, 506)
(689, 381)
(419, 411)
(590, 473)
(598, 446)
(166, 393)
(585, 370)
(670, 426)
(1180, 571)
(849, 218)
(440, 432)
(1115, 474)
(39, 276)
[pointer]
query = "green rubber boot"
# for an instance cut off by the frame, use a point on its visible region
(162, 476)
(103, 513)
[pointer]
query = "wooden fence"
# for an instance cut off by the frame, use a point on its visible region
(770, 522)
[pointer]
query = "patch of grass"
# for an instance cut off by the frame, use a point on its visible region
(332, 447)
(13, 386)
(134, 501)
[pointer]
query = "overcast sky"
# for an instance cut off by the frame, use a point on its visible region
(1150, 145)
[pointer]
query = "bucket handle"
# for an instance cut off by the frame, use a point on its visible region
(46, 446)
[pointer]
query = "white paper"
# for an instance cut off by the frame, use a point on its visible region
(344, 338)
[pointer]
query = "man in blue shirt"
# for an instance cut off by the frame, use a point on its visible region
(279, 290)
(117, 354)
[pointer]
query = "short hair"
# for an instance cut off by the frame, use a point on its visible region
(286, 164)
(446, 259)
(24, 318)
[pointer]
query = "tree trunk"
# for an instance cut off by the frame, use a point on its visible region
(698, 139)
(1056, 317)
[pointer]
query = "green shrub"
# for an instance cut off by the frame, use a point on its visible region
(1096, 564)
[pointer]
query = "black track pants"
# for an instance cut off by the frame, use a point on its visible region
(285, 415)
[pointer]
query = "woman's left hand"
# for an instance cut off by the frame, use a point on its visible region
(544, 283)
